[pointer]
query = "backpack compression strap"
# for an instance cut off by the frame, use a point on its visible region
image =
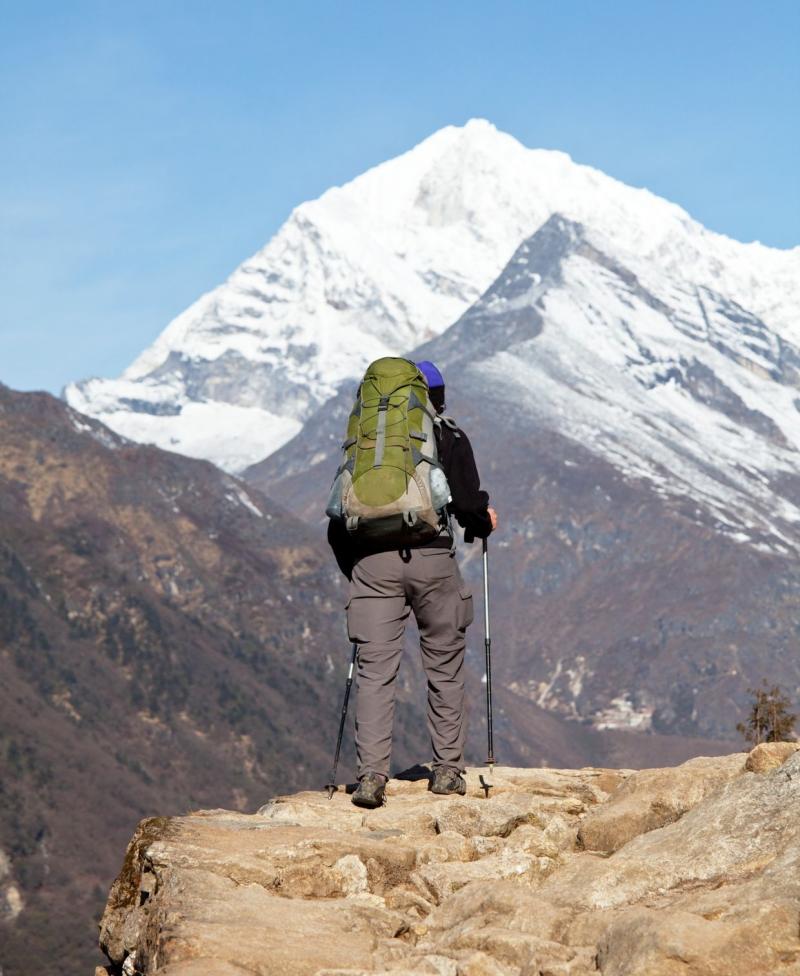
(380, 433)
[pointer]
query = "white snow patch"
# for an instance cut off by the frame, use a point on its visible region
(239, 495)
(621, 714)
(231, 437)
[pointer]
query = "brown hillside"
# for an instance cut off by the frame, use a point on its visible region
(170, 638)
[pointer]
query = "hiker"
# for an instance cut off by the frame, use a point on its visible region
(391, 576)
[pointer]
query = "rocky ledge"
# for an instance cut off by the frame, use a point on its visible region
(693, 869)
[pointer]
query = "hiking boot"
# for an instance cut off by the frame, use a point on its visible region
(447, 780)
(370, 791)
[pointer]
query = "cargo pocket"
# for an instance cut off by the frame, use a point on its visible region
(466, 613)
(437, 563)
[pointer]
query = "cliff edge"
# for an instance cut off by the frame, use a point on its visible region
(693, 869)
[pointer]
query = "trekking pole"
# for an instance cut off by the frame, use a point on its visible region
(488, 647)
(331, 786)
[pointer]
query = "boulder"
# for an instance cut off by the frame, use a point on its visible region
(652, 798)
(769, 755)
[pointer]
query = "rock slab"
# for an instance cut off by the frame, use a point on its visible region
(687, 870)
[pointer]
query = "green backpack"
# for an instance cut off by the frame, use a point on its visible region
(390, 486)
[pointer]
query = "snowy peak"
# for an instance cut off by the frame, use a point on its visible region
(667, 380)
(388, 261)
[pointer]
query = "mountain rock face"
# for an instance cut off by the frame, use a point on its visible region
(387, 261)
(640, 437)
(559, 872)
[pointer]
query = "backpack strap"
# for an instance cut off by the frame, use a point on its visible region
(414, 403)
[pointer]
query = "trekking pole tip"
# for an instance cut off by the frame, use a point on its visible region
(486, 783)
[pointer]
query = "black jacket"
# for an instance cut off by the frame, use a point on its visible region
(468, 507)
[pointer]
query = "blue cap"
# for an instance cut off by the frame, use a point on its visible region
(431, 373)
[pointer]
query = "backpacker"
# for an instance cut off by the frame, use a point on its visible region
(390, 487)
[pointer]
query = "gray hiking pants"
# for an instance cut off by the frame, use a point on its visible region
(385, 587)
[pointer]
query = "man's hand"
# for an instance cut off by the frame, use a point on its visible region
(492, 517)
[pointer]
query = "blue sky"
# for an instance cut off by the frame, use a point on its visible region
(148, 148)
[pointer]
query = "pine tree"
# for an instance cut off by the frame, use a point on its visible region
(770, 719)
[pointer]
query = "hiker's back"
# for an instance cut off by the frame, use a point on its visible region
(390, 488)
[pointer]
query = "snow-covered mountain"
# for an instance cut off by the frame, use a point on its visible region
(392, 259)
